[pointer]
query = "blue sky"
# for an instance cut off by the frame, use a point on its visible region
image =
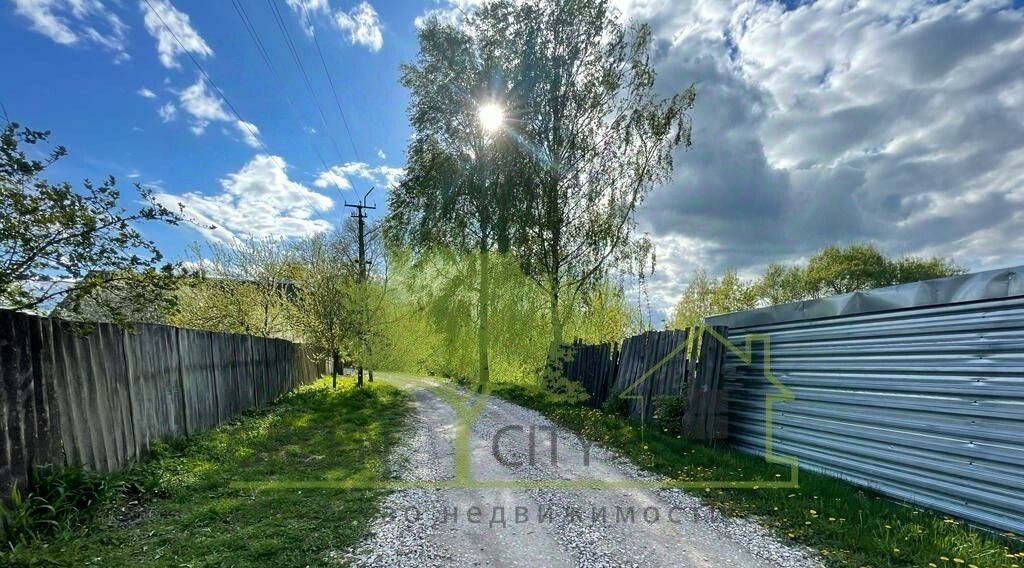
(104, 102)
(899, 122)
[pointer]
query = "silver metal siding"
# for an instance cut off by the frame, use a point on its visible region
(923, 404)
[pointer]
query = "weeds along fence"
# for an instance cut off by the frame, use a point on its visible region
(916, 391)
(100, 399)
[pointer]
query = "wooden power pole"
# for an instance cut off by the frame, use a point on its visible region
(360, 215)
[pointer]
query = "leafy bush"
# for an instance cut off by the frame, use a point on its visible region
(668, 413)
(56, 499)
(562, 390)
(616, 404)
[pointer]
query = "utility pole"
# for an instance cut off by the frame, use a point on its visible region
(360, 215)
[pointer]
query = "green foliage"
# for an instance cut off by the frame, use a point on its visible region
(327, 313)
(244, 287)
(852, 527)
(434, 304)
(833, 270)
(616, 404)
(668, 413)
(552, 193)
(56, 500)
(704, 296)
(196, 518)
(59, 244)
(838, 270)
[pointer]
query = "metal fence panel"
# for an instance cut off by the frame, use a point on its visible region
(925, 404)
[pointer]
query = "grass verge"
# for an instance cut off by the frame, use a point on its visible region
(851, 527)
(178, 509)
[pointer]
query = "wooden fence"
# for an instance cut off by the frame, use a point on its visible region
(673, 362)
(100, 399)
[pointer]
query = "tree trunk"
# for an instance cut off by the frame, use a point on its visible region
(359, 376)
(553, 368)
(483, 323)
(334, 369)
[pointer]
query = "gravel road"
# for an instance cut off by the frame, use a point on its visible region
(538, 526)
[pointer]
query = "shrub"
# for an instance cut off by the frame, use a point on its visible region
(616, 404)
(668, 412)
(56, 499)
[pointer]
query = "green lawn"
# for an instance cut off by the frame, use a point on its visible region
(192, 517)
(849, 526)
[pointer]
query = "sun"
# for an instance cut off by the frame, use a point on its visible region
(491, 116)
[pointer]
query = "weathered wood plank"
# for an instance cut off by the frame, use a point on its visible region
(198, 380)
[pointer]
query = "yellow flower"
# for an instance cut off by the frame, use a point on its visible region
(958, 560)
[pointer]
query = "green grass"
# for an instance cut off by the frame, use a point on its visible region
(190, 516)
(849, 526)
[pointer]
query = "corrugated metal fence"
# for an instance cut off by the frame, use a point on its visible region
(916, 391)
(100, 399)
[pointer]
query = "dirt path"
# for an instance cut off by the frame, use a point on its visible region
(532, 525)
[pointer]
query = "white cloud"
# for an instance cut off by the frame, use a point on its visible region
(341, 176)
(146, 93)
(198, 127)
(250, 134)
(381, 154)
(206, 107)
(362, 26)
(306, 10)
(835, 122)
(157, 13)
(76, 22)
(198, 101)
(452, 11)
(167, 112)
(258, 200)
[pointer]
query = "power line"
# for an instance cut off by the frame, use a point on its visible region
(265, 55)
(279, 20)
(330, 80)
(245, 124)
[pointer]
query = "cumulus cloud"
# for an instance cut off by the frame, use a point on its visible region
(146, 93)
(203, 105)
(206, 107)
(362, 26)
(258, 200)
(157, 13)
(341, 176)
(77, 22)
(381, 154)
(896, 122)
